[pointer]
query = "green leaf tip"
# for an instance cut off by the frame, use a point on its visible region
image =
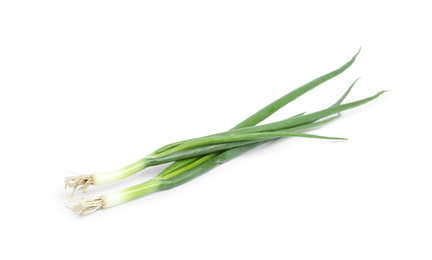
(345, 94)
(355, 56)
(380, 93)
(358, 51)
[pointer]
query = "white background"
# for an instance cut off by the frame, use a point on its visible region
(94, 85)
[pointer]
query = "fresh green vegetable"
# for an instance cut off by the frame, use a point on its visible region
(206, 152)
(82, 182)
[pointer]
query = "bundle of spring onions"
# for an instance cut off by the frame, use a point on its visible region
(196, 156)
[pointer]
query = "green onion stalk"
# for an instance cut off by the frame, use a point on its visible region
(191, 155)
(207, 152)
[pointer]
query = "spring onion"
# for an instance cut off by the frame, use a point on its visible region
(199, 155)
(82, 182)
